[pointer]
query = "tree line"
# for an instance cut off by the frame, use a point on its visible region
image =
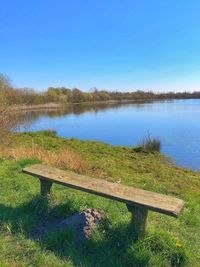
(27, 96)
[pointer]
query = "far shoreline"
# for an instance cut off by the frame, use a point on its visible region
(55, 106)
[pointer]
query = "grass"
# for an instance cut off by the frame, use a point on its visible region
(64, 158)
(150, 144)
(169, 242)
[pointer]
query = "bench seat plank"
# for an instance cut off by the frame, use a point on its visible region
(129, 195)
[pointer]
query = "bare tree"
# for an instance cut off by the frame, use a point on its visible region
(9, 119)
(8, 123)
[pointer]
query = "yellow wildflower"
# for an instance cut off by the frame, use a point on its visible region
(178, 245)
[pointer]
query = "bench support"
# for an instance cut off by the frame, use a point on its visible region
(45, 187)
(138, 220)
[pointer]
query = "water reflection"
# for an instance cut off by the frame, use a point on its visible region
(79, 109)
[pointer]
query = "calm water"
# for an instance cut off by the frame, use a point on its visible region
(175, 123)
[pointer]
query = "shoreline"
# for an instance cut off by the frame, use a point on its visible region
(55, 106)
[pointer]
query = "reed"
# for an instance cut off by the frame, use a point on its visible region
(151, 144)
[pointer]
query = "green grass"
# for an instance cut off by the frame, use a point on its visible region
(169, 242)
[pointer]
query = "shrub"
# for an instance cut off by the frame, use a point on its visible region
(9, 120)
(151, 144)
(8, 123)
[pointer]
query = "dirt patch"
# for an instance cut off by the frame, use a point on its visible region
(83, 224)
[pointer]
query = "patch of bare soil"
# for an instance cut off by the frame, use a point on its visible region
(83, 224)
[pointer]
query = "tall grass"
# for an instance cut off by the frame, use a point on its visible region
(151, 144)
(64, 158)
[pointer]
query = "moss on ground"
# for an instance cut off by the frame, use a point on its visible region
(170, 242)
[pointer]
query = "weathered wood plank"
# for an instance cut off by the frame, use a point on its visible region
(129, 195)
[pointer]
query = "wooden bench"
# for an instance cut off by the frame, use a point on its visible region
(138, 201)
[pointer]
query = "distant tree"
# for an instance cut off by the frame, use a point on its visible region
(28, 96)
(6, 90)
(77, 96)
(59, 94)
(5, 82)
(103, 95)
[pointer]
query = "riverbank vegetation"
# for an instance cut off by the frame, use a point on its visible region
(170, 242)
(150, 144)
(63, 95)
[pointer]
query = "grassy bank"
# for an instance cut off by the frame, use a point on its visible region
(169, 242)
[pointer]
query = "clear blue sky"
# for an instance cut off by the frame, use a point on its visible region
(110, 44)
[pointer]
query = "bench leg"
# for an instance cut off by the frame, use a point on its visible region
(138, 220)
(45, 187)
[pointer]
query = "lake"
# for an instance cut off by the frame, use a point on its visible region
(175, 123)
